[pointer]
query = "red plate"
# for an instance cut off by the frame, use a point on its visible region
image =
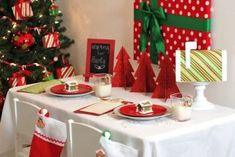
(60, 89)
(130, 110)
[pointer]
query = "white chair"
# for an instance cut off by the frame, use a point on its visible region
(116, 149)
(82, 139)
(24, 119)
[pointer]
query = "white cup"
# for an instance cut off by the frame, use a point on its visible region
(103, 85)
(103, 90)
(181, 106)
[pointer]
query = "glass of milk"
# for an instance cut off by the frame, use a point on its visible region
(181, 105)
(103, 85)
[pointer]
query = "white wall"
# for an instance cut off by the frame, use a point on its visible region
(114, 19)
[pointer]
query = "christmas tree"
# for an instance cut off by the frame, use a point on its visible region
(166, 84)
(123, 70)
(144, 76)
(31, 41)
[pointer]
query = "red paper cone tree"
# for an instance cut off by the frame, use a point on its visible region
(123, 70)
(144, 76)
(165, 84)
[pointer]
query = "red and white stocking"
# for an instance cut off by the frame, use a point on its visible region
(49, 136)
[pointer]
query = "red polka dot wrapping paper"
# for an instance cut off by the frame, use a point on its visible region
(175, 38)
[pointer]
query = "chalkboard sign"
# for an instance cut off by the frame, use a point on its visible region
(100, 56)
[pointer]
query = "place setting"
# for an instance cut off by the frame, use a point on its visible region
(142, 111)
(70, 89)
(122, 109)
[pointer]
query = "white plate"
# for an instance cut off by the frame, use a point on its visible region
(116, 111)
(48, 91)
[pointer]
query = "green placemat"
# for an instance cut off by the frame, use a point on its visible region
(40, 87)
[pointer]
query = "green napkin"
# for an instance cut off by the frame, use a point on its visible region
(39, 87)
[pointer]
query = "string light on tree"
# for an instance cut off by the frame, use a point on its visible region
(55, 59)
(14, 25)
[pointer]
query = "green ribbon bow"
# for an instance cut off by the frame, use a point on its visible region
(150, 15)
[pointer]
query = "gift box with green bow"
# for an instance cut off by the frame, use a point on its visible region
(163, 26)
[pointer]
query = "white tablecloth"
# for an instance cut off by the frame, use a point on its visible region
(207, 134)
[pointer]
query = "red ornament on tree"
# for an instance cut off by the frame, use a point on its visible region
(24, 40)
(166, 84)
(123, 70)
(144, 76)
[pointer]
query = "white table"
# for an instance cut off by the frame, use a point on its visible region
(207, 134)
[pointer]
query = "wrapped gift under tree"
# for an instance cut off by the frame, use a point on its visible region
(17, 79)
(22, 9)
(65, 72)
(163, 26)
(51, 40)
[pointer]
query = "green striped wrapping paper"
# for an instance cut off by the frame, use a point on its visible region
(205, 66)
